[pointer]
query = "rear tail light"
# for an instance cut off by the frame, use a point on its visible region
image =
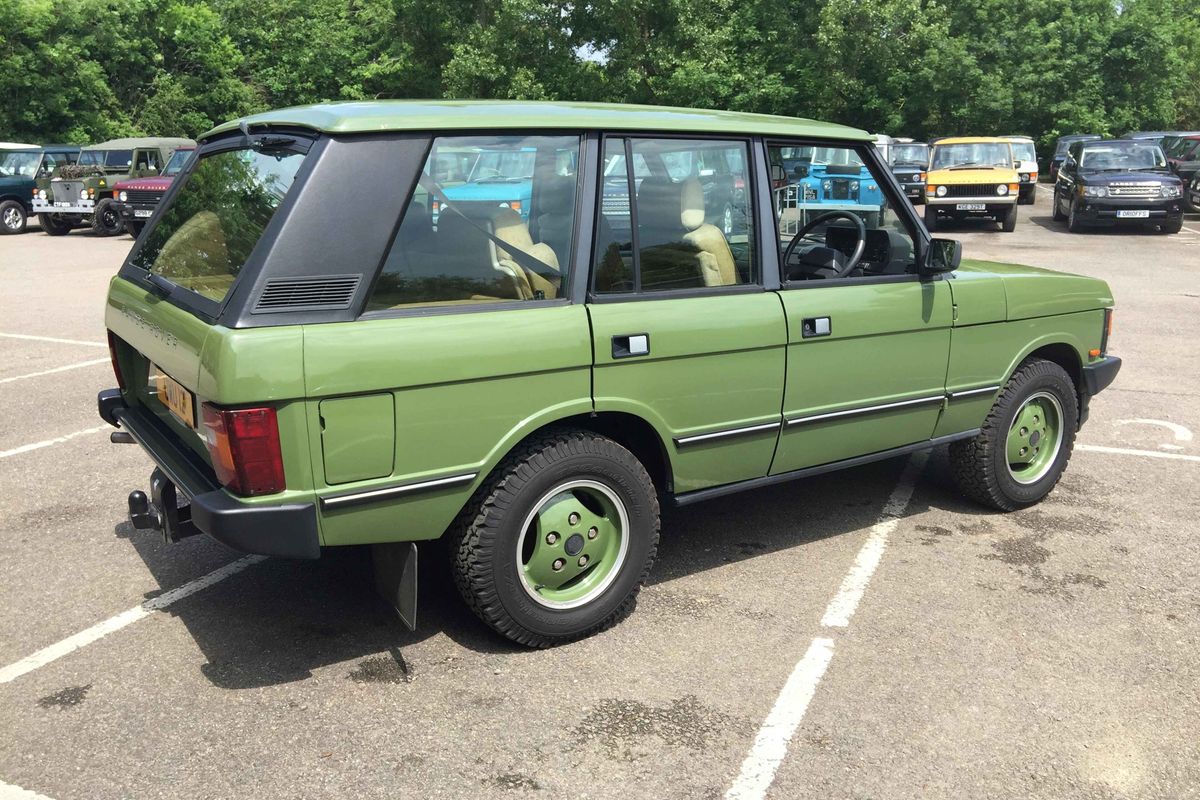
(244, 444)
(116, 365)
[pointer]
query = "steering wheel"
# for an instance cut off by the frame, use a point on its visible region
(807, 228)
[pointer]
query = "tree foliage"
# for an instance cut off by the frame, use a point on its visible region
(87, 70)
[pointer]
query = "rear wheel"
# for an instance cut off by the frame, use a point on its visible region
(557, 543)
(1009, 223)
(55, 224)
(106, 221)
(1025, 442)
(931, 218)
(12, 217)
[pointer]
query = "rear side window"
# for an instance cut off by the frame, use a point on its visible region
(205, 236)
(492, 219)
(690, 225)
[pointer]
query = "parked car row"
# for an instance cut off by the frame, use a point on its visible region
(111, 186)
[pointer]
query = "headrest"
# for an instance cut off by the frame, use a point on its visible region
(508, 227)
(557, 195)
(659, 204)
(692, 204)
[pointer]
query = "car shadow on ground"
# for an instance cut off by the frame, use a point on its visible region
(281, 620)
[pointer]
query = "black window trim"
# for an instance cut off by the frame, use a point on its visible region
(571, 271)
(207, 309)
(894, 193)
(760, 285)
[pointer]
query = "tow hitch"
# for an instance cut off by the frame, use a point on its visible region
(161, 511)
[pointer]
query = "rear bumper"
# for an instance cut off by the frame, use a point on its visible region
(287, 530)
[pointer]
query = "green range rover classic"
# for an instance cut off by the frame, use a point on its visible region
(318, 347)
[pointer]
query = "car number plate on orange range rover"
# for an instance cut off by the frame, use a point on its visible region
(174, 396)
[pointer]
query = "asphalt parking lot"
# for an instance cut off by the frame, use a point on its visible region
(866, 634)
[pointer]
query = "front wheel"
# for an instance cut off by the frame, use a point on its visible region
(727, 220)
(1025, 442)
(55, 224)
(557, 543)
(106, 221)
(1074, 223)
(1173, 225)
(134, 229)
(12, 217)
(931, 218)
(1009, 223)
(1056, 212)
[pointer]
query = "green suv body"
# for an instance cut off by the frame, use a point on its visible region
(533, 383)
(80, 193)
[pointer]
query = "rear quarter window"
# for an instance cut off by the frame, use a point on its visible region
(209, 230)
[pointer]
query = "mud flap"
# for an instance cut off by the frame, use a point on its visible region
(396, 578)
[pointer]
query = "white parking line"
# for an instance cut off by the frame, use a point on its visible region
(56, 369)
(101, 629)
(25, 448)
(51, 339)
(854, 585)
(771, 743)
(10, 792)
(1125, 451)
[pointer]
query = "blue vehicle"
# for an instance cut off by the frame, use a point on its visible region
(493, 178)
(20, 166)
(820, 179)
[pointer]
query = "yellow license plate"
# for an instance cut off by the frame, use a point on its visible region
(171, 394)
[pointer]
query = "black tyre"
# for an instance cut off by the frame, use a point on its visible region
(931, 218)
(1074, 224)
(1009, 223)
(1027, 198)
(55, 224)
(1056, 210)
(134, 229)
(556, 544)
(1172, 226)
(1025, 442)
(106, 220)
(12, 217)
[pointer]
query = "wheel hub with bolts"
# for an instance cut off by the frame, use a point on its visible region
(12, 218)
(1034, 438)
(572, 544)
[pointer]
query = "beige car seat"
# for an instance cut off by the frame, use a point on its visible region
(717, 266)
(508, 227)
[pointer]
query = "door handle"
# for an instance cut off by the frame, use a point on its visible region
(815, 326)
(631, 344)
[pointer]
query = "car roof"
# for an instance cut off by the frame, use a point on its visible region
(1017, 138)
(1077, 137)
(972, 140)
(141, 141)
(1125, 140)
(473, 115)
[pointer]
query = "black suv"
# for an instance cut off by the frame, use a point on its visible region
(909, 162)
(1116, 181)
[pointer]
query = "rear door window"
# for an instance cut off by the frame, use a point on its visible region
(205, 236)
(492, 219)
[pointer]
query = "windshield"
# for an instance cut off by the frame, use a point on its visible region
(19, 163)
(178, 159)
(910, 154)
(1122, 156)
(504, 166)
(109, 159)
(972, 154)
(1023, 151)
(202, 240)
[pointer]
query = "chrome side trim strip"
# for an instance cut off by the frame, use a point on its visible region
(684, 441)
(373, 495)
(854, 412)
(972, 392)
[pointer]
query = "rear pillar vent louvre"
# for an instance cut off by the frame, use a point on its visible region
(314, 293)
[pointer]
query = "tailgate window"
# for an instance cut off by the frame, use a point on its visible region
(205, 236)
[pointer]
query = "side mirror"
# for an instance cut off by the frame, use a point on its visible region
(944, 255)
(778, 174)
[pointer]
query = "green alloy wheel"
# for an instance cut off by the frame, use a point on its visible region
(1035, 438)
(1025, 442)
(557, 542)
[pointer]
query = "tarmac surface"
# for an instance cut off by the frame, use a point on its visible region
(864, 634)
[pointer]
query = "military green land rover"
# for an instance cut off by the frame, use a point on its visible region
(81, 193)
(533, 383)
